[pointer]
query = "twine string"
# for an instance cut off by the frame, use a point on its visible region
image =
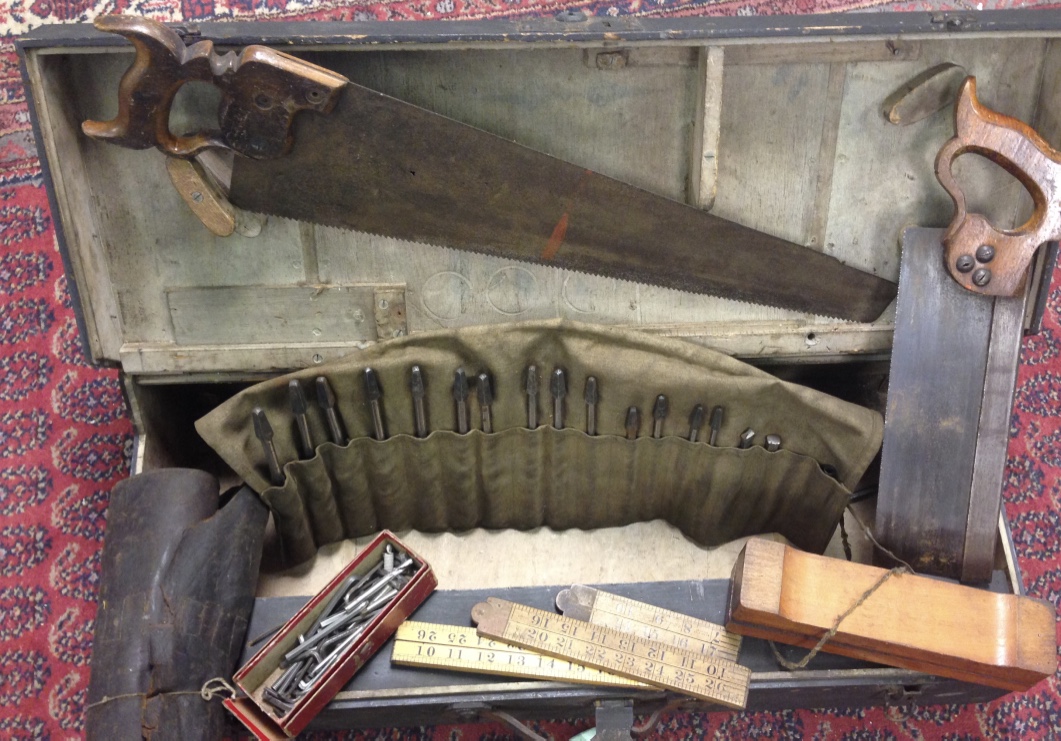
(903, 568)
(216, 687)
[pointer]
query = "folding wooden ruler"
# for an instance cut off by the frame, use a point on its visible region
(648, 621)
(460, 648)
(610, 650)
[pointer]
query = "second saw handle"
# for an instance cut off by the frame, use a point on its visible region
(262, 91)
(983, 259)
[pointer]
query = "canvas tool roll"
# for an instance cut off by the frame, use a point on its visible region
(520, 478)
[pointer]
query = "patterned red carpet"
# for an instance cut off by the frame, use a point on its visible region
(64, 435)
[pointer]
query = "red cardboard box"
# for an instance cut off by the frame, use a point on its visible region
(264, 667)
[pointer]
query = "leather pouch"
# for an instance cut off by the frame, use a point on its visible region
(178, 580)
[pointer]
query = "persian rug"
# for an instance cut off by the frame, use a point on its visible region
(65, 437)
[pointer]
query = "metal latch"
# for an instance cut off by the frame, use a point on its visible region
(615, 720)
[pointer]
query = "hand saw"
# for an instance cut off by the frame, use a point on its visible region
(955, 355)
(380, 165)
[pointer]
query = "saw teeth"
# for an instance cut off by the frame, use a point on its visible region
(742, 302)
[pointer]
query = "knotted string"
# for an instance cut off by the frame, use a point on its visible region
(905, 568)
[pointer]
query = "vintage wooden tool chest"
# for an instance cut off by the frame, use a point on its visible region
(777, 123)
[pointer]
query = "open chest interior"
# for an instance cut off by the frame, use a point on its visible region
(777, 126)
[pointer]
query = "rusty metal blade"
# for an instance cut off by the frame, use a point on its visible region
(380, 165)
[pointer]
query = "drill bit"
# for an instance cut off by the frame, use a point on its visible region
(264, 432)
(485, 395)
(373, 393)
(747, 439)
(591, 405)
(416, 388)
(659, 413)
(558, 388)
(327, 401)
(460, 396)
(773, 443)
(716, 425)
(633, 423)
(696, 421)
(530, 380)
(298, 409)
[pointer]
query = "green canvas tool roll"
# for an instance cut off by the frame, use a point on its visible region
(520, 478)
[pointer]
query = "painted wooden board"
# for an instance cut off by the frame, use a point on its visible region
(226, 315)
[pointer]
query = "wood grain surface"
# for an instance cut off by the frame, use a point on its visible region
(912, 622)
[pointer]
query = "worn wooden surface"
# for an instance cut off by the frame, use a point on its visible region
(263, 91)
(979, 256)
(880, 189)
(802, 152)
(992, 439)
(203, 197)
(289, 314)
(913, 622)
(922, 95)
(935, 396)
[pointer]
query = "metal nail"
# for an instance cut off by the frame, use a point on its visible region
(373, 394)
(460, 396)
(264, 432)
(659, 413)
(591, 397)
(327, 401)
(485, 393)
(696, 422)
(716, 424)
(299, 409)
(558, 388)
(418, 391)
(633, 423)
(530, 386)
(747, 438)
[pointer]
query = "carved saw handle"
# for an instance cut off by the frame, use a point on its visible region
(980, 257)
(262, 91)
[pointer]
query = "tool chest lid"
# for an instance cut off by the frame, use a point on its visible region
(777, 126)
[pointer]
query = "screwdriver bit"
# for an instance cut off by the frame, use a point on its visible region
(530, 383)
(747, 439)
(633, 423)
(696, 421)
(558, 388)
(373, 393)
(460, 396)
(591, 405)
(418, 391)
(299, 409)
(773, 443)
(485, 394)
(264, 432)
(326, 399)
(659, 413)
(716, 425)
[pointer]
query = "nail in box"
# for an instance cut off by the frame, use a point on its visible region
(264, 667)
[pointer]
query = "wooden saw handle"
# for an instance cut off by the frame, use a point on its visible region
(262, 91)
(980, 257)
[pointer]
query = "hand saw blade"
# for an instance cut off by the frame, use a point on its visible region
(383, 166)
